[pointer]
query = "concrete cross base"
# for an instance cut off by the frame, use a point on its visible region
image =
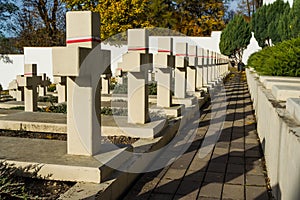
(189, 101)
(198, 93)
(34, 122)
(11, 104)
(293, 107)
(173, 111)
(118, 126)
(57, 164)
(114, 97)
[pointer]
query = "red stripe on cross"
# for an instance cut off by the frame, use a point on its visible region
(164, 51)
(80, 40)
(29, 73)
(137, 49)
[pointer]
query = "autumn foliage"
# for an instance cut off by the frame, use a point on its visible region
(194, 18)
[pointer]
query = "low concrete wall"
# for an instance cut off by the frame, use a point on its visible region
(279, 134)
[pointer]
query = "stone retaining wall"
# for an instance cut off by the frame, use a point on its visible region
(279, 133)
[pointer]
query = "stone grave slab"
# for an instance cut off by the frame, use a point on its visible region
(293, 107)
(11, 104)
(268, 83)
(187, 101)
(263, 78)
(55, 163)
(34, 122)
(119, 126)
(5, 112)
(283, 92)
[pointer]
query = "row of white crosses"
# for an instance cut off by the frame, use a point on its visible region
(194, 68)
(83, 62)
(16, 90)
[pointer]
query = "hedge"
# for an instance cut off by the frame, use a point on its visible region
(282, 59)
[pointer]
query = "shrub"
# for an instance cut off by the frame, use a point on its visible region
(114, 111)
(152, 89)
(51, 88)
(17, 108)
(51, 99)
(282, 59)
(120, 89)
(60, 108)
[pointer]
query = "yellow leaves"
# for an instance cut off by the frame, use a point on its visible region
(119, 15)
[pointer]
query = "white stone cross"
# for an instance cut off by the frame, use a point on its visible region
(181, 63)
(44, 85)
(105, 83)
(137, 61)
(191, 69)
(82, 62)
(30, 82)
(199, 68)
(15, 91)
(205, 67)
(164, 62)
(209, 67)
(61, 88)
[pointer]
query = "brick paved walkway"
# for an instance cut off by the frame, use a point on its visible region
(233, 170)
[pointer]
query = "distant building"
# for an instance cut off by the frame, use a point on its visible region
(271, 1)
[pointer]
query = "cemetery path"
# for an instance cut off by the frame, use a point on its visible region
(233, 170)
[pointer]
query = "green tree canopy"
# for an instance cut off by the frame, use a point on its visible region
(294, 19)
(273, 15)
(259, 25)
(235, 38)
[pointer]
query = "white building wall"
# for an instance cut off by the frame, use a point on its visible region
(42, 56)
(9, 71)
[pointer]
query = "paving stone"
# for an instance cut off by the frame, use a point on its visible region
(254, 170)
(207, 198)
(157, 196)
(238, 139)
(236, 153)
(213, 177)
(220, 151)
(181, 164)
(198, 165)
(252, 147)
(236, 179)
(189, 196)
(167, 186)
(219, 159)
(257, 193)
(252, 141)
(253, 154)
(235, 169)
(233, 192)
(255, 180)
(253, 161)
(236, 160)
(187, 187)
(211, 190)
(149, 186)
(224, 145)
(237, 145)
(174, 174)
(216, 167)
(196, 176)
